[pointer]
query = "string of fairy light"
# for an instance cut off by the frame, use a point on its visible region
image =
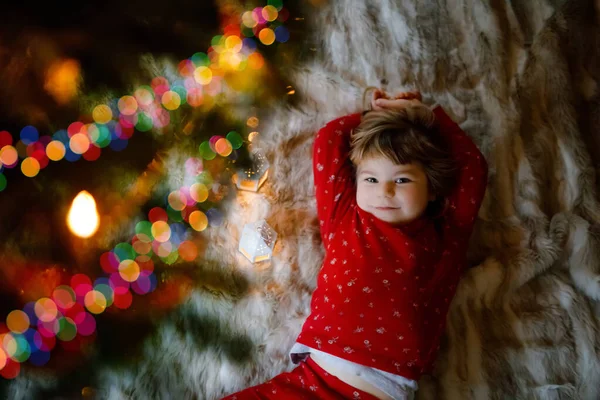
(149, 106)
(31, 333)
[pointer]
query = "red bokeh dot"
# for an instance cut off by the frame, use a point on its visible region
(109, 262)
(75, 128)
(93, 153)
(87, 324)
(159, 81)
(45, 342)
(185, 213)
(128, 122)
(232, 29)
(116, 280)
(79, 279)
(81, 284)
(11, 369)
(42, 158)
(74, 345)
(124, 132)
(194, 97)
(157, 214)
(5, 139)
(75, 312)
(31, 148)
(283, 15)
(145, 263)
(45, 140)
(122, 298)
(186, 68)
(47, 329)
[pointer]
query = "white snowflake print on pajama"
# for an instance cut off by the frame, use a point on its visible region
(383, 291)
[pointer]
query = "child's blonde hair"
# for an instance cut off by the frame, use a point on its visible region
(406, 136)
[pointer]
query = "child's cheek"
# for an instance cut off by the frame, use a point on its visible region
(414, 197)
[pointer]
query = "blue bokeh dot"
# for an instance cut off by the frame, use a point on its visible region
(282, 35)
(119, 144)
(70, 156)
(39, 357)
(62, 136)
(29, 134)
(249, 43)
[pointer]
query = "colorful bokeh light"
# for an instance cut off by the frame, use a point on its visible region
(17, 321)
(68, 314)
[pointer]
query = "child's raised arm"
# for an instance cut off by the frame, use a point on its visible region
(465, 200)
(333, 172)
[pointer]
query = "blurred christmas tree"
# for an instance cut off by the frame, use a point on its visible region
(60, 62)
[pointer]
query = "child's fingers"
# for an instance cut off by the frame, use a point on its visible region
(374, 105)
(406, 96)
(409, 95)
(393, 103)
(378, 94)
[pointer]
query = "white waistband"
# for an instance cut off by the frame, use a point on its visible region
(395, 386)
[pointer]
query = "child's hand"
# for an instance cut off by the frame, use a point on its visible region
(401, 101)
(378, 94)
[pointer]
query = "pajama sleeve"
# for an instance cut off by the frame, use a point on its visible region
(333, 172)
(466, 198)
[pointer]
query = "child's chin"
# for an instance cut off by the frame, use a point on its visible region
(388, 219)
(394, 221)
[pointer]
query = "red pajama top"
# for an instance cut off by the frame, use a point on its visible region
(383, 291)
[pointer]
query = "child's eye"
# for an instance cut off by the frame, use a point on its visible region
(403, 180)
(371, 180)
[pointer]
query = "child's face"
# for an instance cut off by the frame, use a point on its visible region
(397, 194)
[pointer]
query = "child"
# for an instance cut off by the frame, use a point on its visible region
(395, 217)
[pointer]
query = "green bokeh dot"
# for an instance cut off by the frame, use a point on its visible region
(144, 227)
(107, 292)
(2, 182)
(23, 350)
(278, 4)
(206, 152)
(205, 178)
(247, 32)
(174, 214)
(200, 59)
(180, 90)
(235, 139)
(171, 258)
(67, 330)
(124, 251)
(216, 40)
(144, 123)
(104, 136)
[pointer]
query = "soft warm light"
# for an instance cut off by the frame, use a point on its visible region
(83, 219)
(62, 80)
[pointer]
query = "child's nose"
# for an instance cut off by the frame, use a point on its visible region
(389, 189)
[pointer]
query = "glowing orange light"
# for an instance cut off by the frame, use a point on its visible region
(62, 79)
(83, 218)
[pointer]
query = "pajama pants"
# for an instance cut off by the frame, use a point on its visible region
(307, 381)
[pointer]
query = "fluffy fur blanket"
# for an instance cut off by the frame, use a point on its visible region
(522, 79)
